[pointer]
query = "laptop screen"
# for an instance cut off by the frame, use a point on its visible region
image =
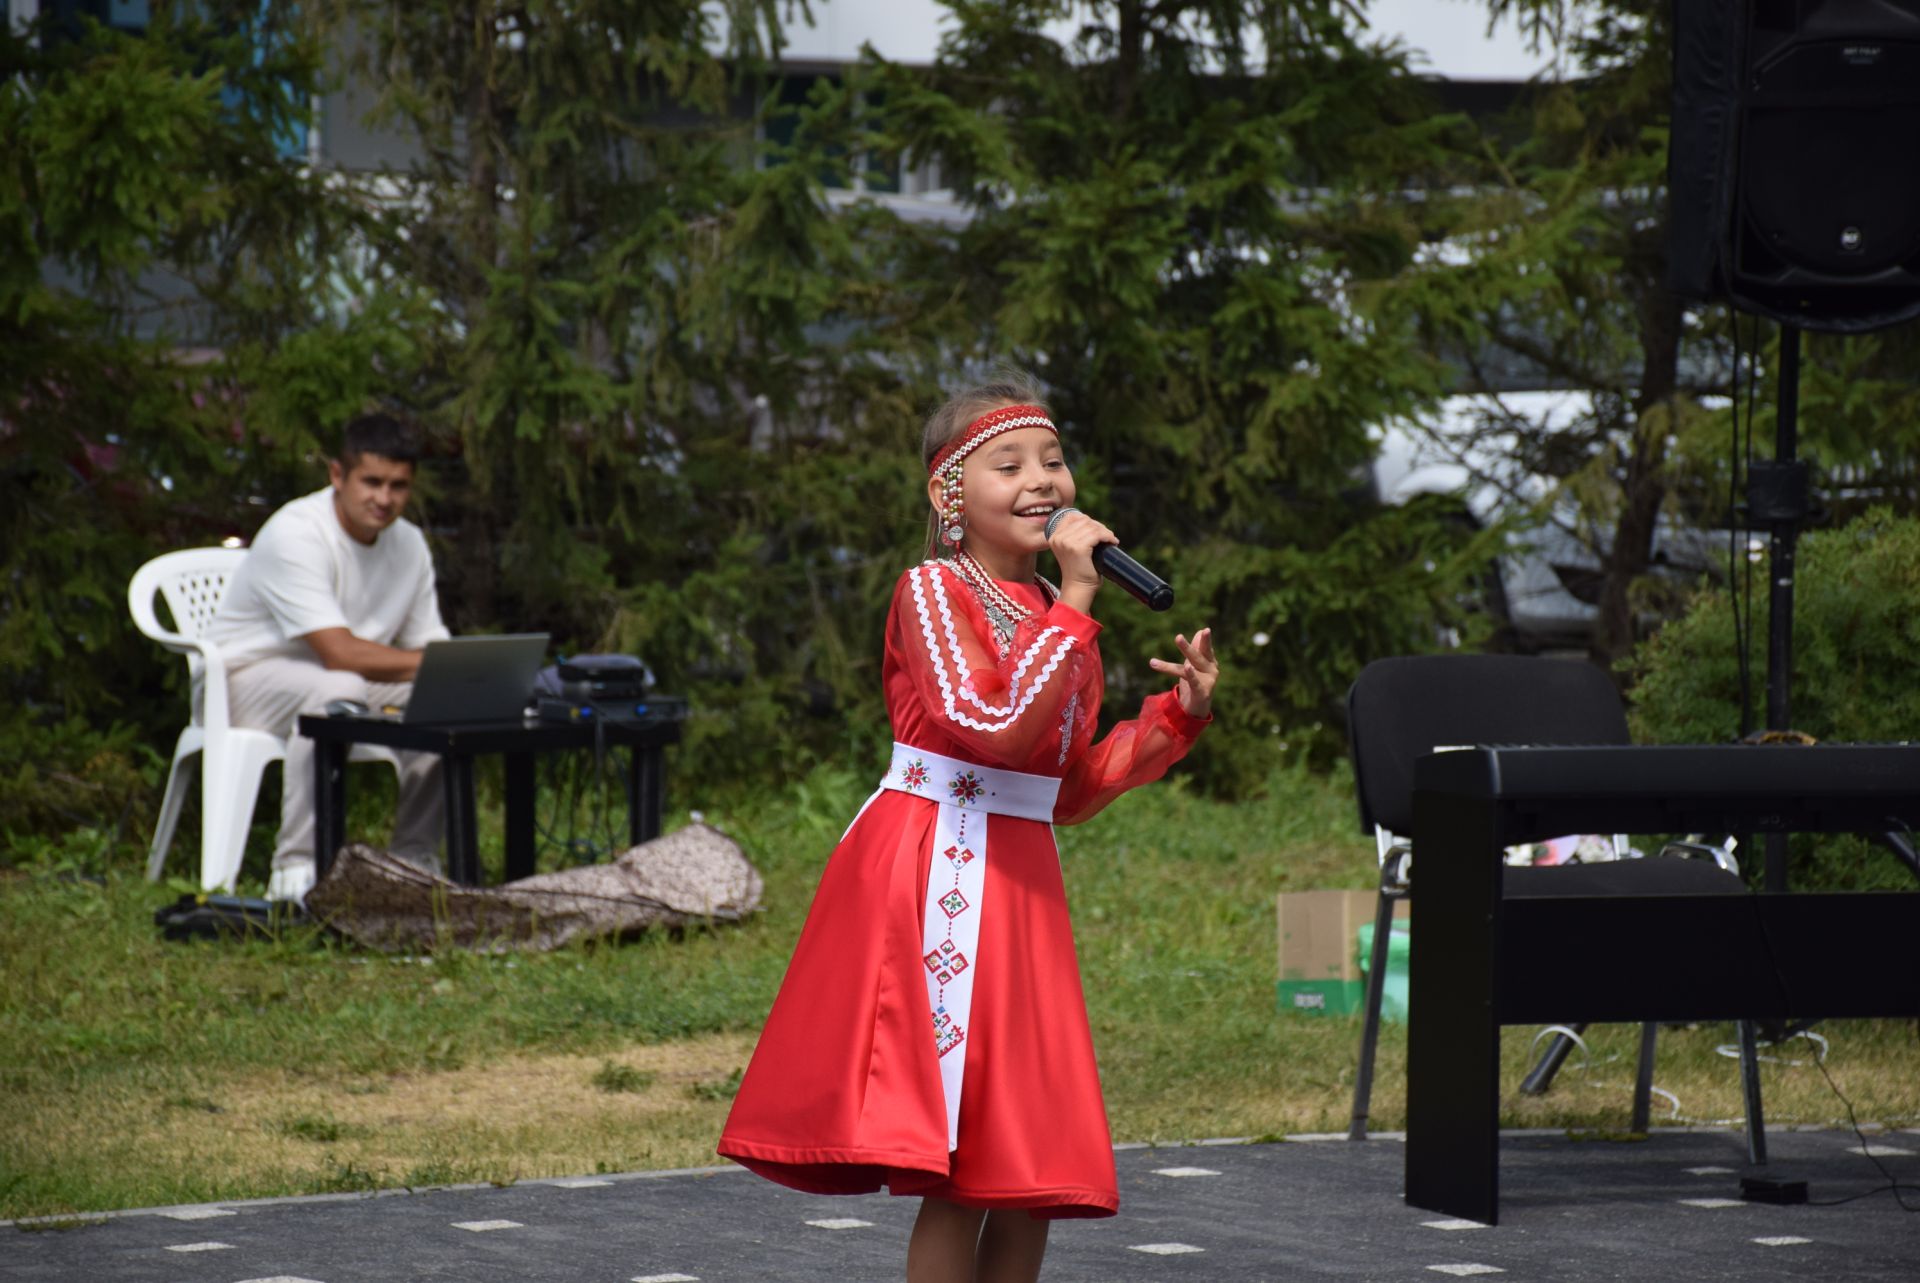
(476, 679)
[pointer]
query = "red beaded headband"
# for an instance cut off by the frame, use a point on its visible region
(984, 429)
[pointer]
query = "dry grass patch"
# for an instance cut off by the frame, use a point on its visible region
(1871, 1063)
(284, 1131)
(1280, 1074)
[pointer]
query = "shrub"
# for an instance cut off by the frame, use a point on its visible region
(1856, 636)
(72, 788)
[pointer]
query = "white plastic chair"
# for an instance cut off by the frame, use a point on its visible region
(231, 758)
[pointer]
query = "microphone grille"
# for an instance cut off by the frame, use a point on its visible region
(1054, 520)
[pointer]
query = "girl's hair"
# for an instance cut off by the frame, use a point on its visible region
(1008, 385)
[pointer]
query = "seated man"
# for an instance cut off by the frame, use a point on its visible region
(335, 600)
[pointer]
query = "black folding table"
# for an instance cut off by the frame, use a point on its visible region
(517, 741)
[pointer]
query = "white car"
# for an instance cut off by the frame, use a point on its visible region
(1549, 581)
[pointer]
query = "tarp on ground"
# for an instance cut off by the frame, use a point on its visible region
(695, 874)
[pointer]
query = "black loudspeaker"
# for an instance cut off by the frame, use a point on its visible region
(1793, 171)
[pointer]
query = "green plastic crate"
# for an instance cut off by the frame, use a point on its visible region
(1393, 999)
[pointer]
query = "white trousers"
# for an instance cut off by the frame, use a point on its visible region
(271, 694)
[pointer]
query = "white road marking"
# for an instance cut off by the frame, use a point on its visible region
(665, 1278)
(1455, 1225)
(481, 1227)
(1711, 1203)
(1709, 1171)
(1165, 1249)
(1184, 1171)
(582, 1185)
(1463, 1271)
(199, 1247)
(1782, 1240)
(198, 1213)
(841, 1223)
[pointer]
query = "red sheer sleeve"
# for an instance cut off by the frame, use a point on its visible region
(1133, 753)
(1000, 709)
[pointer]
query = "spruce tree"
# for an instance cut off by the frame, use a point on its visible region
(1184, 219)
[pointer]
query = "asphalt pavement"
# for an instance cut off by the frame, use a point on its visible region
(1663, 1208)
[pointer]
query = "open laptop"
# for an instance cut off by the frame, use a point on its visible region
(476, 679)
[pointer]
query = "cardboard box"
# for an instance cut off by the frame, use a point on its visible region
(1317, 930)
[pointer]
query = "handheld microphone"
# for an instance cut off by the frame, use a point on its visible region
(1152, 591)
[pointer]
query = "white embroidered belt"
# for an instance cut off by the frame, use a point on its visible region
(971, 786)
(967, 793)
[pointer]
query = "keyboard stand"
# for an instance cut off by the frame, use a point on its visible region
(1674, 958)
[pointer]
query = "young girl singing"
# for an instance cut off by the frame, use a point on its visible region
(930, 1035)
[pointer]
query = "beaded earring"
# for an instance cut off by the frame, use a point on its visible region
(953, 511)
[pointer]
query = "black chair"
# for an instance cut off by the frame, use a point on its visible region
(1402, 709)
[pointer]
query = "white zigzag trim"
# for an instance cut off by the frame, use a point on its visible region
(1011, 710)
(1014, 707)
(1020, 669)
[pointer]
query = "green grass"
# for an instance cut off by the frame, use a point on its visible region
(613, 1076)
(141, 1072)
(717, 1088)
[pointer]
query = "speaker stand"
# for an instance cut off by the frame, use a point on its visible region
(1777, 497)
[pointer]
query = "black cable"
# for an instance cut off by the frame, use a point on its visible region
(1746, 659)
(573, 815)
(1737, 534)
(550, 831)
(602, 832)
(600, 835)
(601, 840)
(1893, 1184)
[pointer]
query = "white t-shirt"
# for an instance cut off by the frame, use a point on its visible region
(304, 572)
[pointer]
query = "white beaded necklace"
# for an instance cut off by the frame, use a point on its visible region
(1003, 612)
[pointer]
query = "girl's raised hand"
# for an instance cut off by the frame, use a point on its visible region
(1196, 674)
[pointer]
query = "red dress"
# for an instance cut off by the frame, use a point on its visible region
(845, 1091)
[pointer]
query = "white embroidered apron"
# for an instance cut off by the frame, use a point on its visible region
(967, 793)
